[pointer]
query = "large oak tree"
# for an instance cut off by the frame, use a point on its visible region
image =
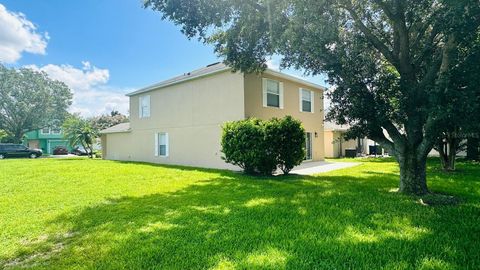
(30, 100)
(388, 59)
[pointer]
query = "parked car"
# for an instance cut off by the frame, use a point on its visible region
(8, 150)
(60, 150)
(80, 151)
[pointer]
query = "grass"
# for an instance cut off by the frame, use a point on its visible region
(95, 214)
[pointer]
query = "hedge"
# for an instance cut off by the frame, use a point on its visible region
(261, 147)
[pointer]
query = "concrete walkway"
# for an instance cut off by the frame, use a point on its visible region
(314, 167)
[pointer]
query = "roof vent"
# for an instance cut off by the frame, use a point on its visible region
(213, 64)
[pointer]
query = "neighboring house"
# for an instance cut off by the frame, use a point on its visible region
(178, 121)
(46, 139)
(335, 144)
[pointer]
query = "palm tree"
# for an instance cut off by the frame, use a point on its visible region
(79, 131)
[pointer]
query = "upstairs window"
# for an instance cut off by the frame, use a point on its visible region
(306, 100)
(144, 106)
(56, 130)
(272, 93)
(45, 130)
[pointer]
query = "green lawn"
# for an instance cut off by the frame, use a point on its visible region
(57, 214)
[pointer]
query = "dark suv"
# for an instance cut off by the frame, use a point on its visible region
(18, 150)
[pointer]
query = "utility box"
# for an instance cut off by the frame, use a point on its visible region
(350, 153)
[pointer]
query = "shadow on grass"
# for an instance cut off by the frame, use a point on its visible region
(234, 221)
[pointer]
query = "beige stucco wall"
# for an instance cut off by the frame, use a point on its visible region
(119, 146)
(332, 145)
(331, 148)
(312, 122)
(191, 113)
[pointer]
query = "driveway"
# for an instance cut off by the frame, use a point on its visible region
(61, 156)
(314, 167)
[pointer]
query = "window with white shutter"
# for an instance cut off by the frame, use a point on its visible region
(306, 98)
(144, 106)
(272, 93)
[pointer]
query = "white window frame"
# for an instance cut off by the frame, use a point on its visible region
(141, 112)
(265, 93)
(45, 133)
(300, 100)
(55, 133)
(157, 144)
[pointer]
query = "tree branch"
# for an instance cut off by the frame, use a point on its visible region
(376, 42)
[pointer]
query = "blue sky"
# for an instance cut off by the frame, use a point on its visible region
(101, 49)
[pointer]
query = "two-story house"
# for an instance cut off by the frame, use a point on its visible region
(46, 139)
(178, 121)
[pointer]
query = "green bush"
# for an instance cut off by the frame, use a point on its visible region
(242, 145)
(259, 146)
(287, 139)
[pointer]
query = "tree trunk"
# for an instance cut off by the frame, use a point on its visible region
(452, 154)
(472, 149)
(448, 152)
(18, 137)
(413, 173)
(442, 152)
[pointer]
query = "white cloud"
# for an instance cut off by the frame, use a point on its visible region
(91, 93)
(19, 35)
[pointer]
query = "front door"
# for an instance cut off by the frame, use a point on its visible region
(308, 145)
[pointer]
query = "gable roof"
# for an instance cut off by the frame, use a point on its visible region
(214, 69)
(123, 127)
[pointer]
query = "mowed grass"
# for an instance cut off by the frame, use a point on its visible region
(95, 214)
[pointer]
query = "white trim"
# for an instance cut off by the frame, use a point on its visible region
(53, 133)
(280, 86)
(312, 102)
(141, 112)
(43, 133)
(157, 144)
(300, 93)
(300, 99)
(167, 146)
(264, 91)
(118, 131)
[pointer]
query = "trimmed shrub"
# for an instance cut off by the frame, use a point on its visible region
(243, 145)
(260, 147)
(287, 137)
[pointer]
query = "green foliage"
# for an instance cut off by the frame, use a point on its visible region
(243, 144)
(286, 137)
(5, 137)
(79, 131)
(259, 146)
(30, 100)
(100, 214)
(108, 120)
(388, 60)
